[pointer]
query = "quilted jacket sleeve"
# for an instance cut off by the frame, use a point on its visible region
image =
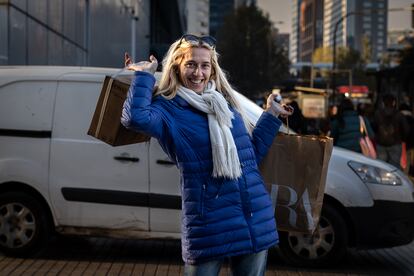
(138, 114)
(263, 134)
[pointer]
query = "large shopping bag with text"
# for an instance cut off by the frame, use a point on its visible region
(294, 171)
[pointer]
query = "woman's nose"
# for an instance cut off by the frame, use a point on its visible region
(197, 71)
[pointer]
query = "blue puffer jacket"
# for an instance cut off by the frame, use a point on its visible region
(220, 217)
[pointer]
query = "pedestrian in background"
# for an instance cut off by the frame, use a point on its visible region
(346, 127)
(367, 111)
(195, 116)
(390, 129)
(406, 111)
(325, 125)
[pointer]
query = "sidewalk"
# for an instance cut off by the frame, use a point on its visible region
(101, 256)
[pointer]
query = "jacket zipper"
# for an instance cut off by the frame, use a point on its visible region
(202, 200)
(249, 213)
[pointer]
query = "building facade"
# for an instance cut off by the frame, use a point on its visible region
(310, 28)
(198, 17)
(294, 49)
(86, 32)
(219, 9)
(361, 22)
(364, 23)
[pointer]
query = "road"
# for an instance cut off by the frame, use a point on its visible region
(102, 256)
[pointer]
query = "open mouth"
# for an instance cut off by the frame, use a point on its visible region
(196, 82)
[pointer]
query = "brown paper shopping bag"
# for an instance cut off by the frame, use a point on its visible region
(294, 171)
(106, 122)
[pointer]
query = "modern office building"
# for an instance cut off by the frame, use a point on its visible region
(307, 30)
(400, 39)
(86, 32)
(219, 9)
(397, 41)
(359, 20)
(310, 28)
(198, 17)
(294, 49)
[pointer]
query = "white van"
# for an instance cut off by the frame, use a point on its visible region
(54, 177)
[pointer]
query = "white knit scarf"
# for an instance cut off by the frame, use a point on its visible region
(225, 158)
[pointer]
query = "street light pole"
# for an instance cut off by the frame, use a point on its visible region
(134, 19)
(86, 34)
(133, 9)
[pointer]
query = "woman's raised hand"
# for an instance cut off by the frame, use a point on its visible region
(146, 66)
(276, 108)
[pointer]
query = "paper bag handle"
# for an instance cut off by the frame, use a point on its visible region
(362, 126)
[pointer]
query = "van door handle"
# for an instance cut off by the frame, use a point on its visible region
(165, 162)
(126, 158)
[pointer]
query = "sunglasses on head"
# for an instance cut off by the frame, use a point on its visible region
(211, 41)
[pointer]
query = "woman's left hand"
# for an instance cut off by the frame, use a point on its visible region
(277, 109)
(146, 66)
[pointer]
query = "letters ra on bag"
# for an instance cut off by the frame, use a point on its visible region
(293, 211)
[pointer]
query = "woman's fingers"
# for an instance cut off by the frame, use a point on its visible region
(127, 59)
(287, 111)
(271, 97)
(153, 65)
(288, 108)
(270, 100)
(153, 59)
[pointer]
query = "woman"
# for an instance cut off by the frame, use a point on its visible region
(346, 127)
(226, 211)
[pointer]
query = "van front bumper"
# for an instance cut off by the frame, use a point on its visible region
(385, 224)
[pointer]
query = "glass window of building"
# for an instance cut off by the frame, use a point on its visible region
(3, 35)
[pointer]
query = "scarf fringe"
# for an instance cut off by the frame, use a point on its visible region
(222, 167)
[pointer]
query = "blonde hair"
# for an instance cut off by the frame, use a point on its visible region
(170, 81)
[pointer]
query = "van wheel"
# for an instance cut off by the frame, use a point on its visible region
(24, 226)
(325, 247)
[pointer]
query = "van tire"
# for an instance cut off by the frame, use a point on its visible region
(332, 232)
(24, 224)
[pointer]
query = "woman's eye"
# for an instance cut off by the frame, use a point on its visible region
(190, 65)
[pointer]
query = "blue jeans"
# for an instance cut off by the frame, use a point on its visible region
(244, 265)
(391, 154)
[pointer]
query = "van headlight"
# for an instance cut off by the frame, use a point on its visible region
(375, 175)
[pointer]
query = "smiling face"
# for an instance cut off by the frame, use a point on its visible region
(195, 69)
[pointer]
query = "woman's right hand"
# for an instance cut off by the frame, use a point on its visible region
(277, 109)
(146, 66)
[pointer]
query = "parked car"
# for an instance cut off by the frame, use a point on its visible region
(56, 178)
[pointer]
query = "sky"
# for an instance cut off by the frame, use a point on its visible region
(280, 11)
